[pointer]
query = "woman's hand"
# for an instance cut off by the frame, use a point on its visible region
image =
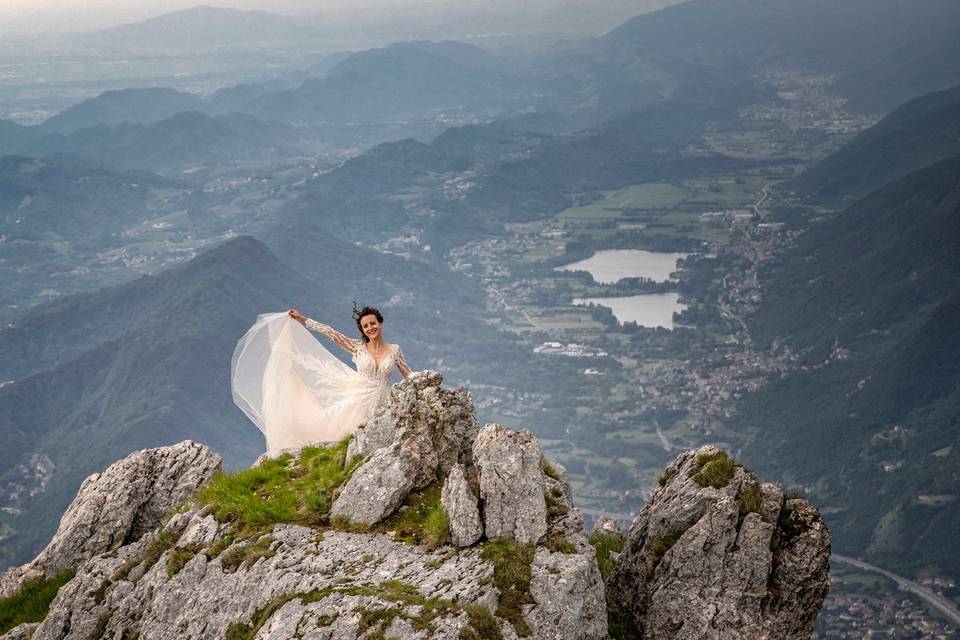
(296, 315)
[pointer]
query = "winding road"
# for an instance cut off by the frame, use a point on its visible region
(941, 604)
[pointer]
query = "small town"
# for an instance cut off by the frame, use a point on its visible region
(851, 615)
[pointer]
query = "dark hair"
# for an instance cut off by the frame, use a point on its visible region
(366, 311)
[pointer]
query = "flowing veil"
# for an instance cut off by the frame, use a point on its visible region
(293, 388)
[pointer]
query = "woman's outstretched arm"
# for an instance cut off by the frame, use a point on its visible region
(402, 365)
(342, 341)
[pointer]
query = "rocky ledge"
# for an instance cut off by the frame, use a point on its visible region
(423, 525)
(716, 553)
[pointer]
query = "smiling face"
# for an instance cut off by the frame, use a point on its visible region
(370, 326)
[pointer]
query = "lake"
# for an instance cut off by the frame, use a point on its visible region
(611, 265)
(648, 310)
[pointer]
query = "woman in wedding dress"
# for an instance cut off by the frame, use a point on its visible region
(297, 392)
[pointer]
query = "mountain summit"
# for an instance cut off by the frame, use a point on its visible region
(423, 525)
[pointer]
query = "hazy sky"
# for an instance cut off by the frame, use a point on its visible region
(73, 15)
(27, 17)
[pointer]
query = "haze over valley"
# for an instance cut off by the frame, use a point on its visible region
(633, 231)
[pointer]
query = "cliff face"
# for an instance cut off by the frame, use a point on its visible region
(424, 526)
(715, 553)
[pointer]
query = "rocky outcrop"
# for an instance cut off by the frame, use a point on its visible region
(715, 553)
(566, 604)
(296, 584)
(607, 526)
(472, 535)
(113, 508)
(512, 485)
(202, 574)
(422, 430)
(460, 506)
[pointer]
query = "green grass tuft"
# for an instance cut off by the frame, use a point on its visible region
(713, 470)
(180, 556)
(101, 627)
(299, 490)
(247, 631)
(657, 548)
(750, 499)
(789, 526)
(664, 477)
(219, 546)
(421, 519)
(482, 625)
(436, 527)
(372, 621)
(32, 601)
(124, 570)
(156, 547)
(378, 619)
(558, 543)
(247, 554)
(556, 507)
(606, 545)
(549, 469)
(511, 576)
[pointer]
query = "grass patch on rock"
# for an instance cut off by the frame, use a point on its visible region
(713, 470)
(750, 499)
(657, 547)
(32, 601)
(511, 576)
(298, 490)
(420, 520)
(559, 543)
(372, 620)
(665, 476)
(606, 545)
(159, 544)
(556, 504)
(548, 469)
(180, 556)
(247, 554)
(482, 625)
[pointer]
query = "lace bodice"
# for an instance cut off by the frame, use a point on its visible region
(366, 364)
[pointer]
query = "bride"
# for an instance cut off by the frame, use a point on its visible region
(297, 392)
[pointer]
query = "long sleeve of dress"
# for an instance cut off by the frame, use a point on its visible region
(342, 341)
(401, 363)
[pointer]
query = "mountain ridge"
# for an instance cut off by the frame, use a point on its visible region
(916, 134)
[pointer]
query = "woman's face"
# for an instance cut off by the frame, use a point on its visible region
(370, 326)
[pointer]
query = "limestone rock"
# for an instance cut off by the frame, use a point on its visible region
(717, 554)
(119, 505)
(422, 430)
(568, 594)
(316, 586)
(607, 526)
(511, 484)
(21, 632)
(460, 505)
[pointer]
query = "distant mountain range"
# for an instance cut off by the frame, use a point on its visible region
(205, 28)
(883, 51)
(122, 106)
(60, 198)
(186, 139)
(202, 27)
(706, 47)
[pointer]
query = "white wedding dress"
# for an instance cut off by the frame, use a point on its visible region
(296, 391)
